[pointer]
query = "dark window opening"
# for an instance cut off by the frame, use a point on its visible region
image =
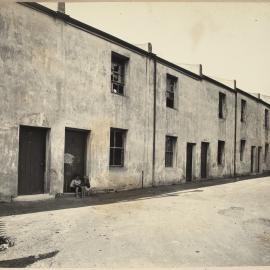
(266, 118)
(221, 148)
(170, 90)
(243, 110)
(169, 150)
(118, 73)
(117, 142)
(242, 149)
(266, 152)
(221, 111)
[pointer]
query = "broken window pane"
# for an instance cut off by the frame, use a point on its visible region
(118, 74)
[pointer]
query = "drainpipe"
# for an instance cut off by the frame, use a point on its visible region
(153, 56)
(235, 129)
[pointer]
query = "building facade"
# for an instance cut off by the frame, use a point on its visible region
(78, 101)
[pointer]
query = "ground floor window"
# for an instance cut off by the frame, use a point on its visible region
(242, 149)
(170, 151)
(117, 143)
(221, 151)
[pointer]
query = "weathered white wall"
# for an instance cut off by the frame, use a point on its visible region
(194, 120)
(54, 75)
(253, 131)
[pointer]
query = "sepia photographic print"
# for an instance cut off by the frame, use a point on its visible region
(135, 134)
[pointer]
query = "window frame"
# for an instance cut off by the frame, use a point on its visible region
(221, 105)
(243, 110)
(169, 92)
(242, 149)
(266, 118)
(114, 147)
(221, 153)
(171, 152)
(121, 61)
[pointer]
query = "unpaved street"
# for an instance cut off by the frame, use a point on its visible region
(220, 225)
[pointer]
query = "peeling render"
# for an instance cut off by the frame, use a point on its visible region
(54, 75)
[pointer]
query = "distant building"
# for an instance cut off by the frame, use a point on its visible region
(76, 100)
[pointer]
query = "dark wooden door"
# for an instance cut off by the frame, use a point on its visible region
(259, 159)
(189, 162)
(252, 158)
(204, 154)
(32, 148)
(75, 146)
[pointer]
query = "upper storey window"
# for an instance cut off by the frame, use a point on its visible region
(266, 118)
(171, 83)
(243, 110)
(221, 106)
(118, 73)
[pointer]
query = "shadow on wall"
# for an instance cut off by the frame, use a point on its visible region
(17, 208)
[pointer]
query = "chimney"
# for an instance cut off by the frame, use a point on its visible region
(61, 7)
(200, 70)
(234, 84)
(149, 47)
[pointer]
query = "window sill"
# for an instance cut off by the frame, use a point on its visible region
(122, 95)
(175, 109)
(117, 168)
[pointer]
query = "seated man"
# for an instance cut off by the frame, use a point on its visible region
(75, 185)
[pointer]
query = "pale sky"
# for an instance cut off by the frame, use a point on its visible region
(230, 40)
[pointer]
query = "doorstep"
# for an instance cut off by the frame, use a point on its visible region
(36, 197)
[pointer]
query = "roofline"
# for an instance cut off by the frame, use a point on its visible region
(218, 83)
(244, 93)
(101, 34)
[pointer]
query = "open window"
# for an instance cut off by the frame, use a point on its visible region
(118, 69)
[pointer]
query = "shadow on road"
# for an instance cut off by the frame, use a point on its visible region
(17, 208)
(24, 262)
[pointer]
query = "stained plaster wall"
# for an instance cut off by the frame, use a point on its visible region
(254, 132)
(193, 120)
(55, 76)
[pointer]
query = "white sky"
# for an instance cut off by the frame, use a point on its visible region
(230, 40)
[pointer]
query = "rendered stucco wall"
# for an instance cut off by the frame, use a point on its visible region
(55, 76)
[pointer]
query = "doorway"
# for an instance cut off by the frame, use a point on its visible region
(204, 163)
(75, 155)
(32, 157)
(189, 162)
(259, 159)
(252, 159)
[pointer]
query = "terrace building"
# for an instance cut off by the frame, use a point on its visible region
(76, 100)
